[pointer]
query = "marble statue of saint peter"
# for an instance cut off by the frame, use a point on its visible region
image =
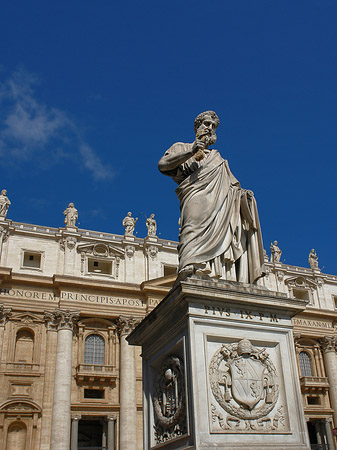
(220, 233)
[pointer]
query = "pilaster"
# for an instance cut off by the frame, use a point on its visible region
(328, 344)
(65, 322)
(127, 383)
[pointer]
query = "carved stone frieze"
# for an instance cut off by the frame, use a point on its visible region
(244, 383)
(5, 314)
(127, 324)
(169, 402)
(61, 319)
(329, 343)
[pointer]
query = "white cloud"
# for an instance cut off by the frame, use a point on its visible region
(28, 126)
(92, 162)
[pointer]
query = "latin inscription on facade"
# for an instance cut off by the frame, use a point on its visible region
(311, 323)
(28, 294)
(39, 295)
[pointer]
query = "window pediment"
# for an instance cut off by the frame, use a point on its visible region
(101, 250)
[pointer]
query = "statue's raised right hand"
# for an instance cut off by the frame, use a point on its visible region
(198, 144)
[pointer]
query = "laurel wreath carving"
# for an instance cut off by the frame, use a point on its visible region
(228, 353)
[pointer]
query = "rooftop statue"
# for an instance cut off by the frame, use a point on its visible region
(151, 225)
(313, 259)
(71, 215)
(4, 203)
(129, 223)
(220, 233)
(276, 252)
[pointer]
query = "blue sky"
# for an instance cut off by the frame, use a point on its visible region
(93, 93)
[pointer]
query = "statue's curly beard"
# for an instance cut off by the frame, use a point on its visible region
(211, 139)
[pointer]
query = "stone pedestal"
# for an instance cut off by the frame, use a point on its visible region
(219, 369)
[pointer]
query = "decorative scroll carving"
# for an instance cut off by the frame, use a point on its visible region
(244, 383)
(297, 337)
(280, 275)
(127, 324)
(61, 319)
(169, 401)
(329, 343)
(5, 314)
(151, 251)
(4, 233)
(129, 250)
(69, 242)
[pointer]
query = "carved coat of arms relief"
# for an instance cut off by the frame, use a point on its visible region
(169, 401)
(244, 384)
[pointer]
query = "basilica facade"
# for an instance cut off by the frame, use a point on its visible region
(68, 299)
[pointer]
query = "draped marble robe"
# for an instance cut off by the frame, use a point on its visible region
(220, 231)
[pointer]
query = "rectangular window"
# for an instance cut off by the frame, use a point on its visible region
(32, 260)
(99, 267)
(301, 294)
(314, 400)
(94, 393)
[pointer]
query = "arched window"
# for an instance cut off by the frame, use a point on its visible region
(94, 350)
(305, 364)
(24, 346)
(16, 436)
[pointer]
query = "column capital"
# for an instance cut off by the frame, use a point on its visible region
(111, 418)
(5, 314)
(76, 417)
(127, 324)
(328, 343)
(61, 319)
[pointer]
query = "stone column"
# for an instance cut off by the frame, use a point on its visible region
(329, 349)
(329, 435)
(60, 429)
(74, 432)
(127, 387)
(111, 432)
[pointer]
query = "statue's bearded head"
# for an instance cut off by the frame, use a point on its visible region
(205, 124)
